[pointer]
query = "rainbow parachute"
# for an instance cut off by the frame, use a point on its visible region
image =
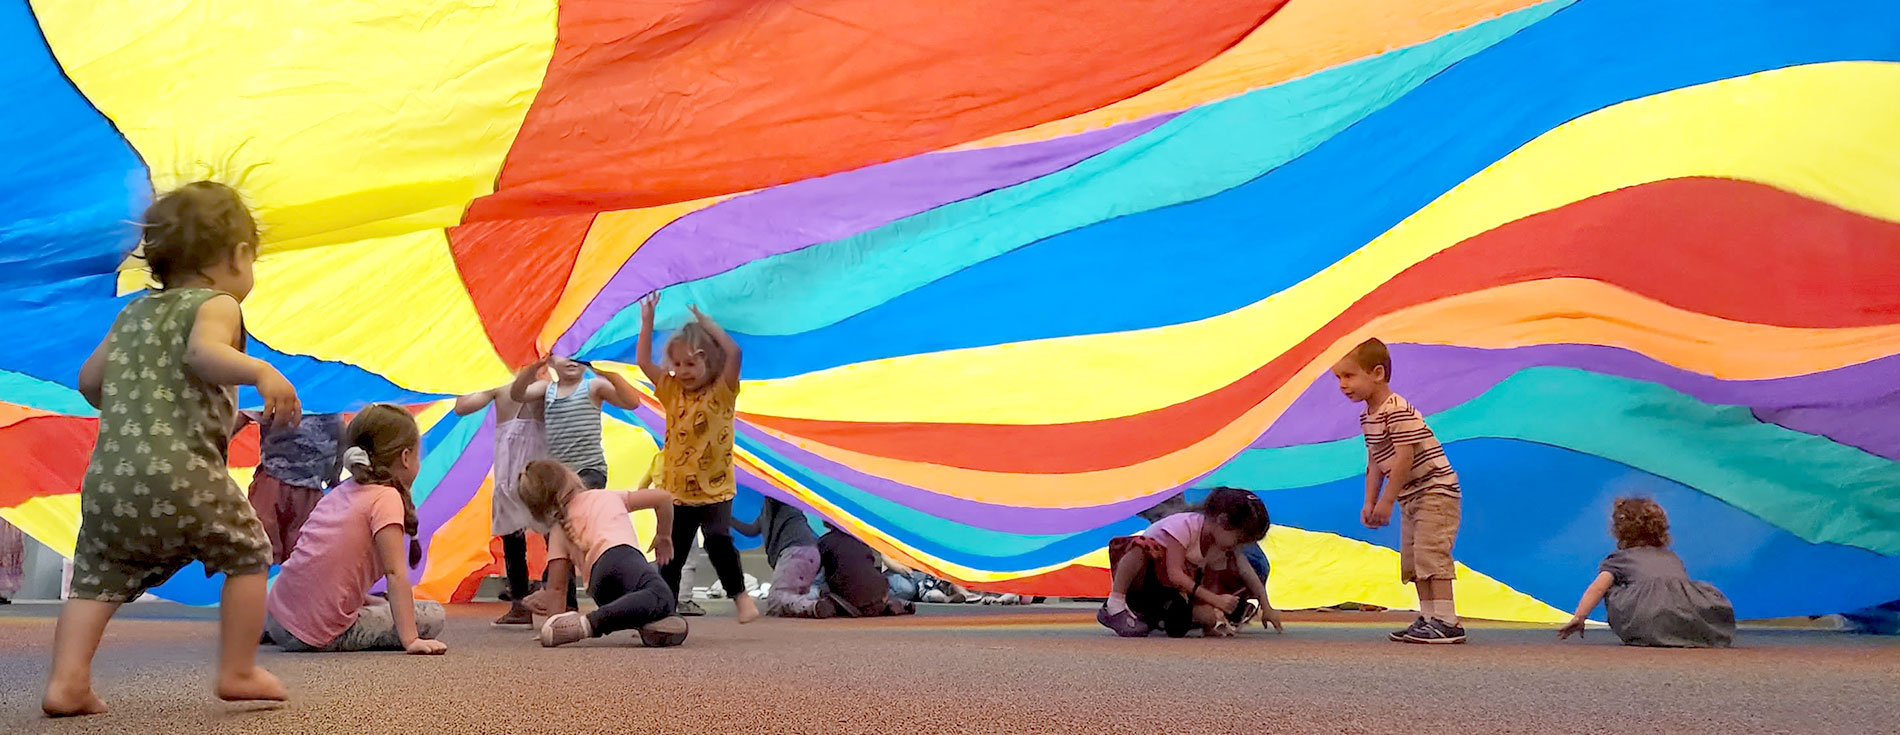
(1009, 273)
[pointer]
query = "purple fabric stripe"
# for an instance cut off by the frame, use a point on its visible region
(1853, 405)
(1006, 518)
(805, 213)
(458, 485)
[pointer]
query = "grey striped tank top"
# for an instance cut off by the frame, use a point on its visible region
(574, 429)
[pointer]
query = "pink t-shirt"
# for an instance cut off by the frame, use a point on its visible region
(1181, 531)
(328, 576)
(599, 519)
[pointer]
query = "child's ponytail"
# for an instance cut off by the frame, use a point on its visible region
(544, 488)
(378, 436)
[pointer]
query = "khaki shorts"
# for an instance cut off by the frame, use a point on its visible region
(1427, 528)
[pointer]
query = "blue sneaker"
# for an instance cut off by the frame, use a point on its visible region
(1398, 636)
(1436, 631)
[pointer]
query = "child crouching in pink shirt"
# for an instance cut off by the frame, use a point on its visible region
(354, 536)
(592, 527)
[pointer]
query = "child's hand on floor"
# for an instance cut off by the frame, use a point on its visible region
(425, 647)
(544, 602)
(1270, 617)
(1574, 626)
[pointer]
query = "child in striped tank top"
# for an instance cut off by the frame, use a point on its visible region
(699, 390)
(571, 413)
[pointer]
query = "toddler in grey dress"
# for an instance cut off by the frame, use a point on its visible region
(1650, 598)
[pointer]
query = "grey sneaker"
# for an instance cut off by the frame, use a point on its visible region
(1398, 636)
(690, 608)
(1436, 631)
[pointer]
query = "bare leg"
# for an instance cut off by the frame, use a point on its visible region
(1127, 571)
(240, 621)
(75, 639)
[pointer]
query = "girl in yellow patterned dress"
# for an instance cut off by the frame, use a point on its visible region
(699, 390)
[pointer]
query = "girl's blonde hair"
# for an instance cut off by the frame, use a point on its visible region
(696, 338)
(383, 431)
(1639, 522)
(545, 487)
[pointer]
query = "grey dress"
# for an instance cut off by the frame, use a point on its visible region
(1652, 602)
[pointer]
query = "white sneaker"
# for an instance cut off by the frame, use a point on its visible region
(565, 628)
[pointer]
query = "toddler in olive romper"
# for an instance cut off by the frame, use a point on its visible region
(157, 494)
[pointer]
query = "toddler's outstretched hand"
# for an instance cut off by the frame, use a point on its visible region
(1270, 617)
(648, 304)
(1574, 626)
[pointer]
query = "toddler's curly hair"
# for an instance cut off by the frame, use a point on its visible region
(1639, 522)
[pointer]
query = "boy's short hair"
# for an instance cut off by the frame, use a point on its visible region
(1372, 353)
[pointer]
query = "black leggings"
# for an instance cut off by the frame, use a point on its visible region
(628, 590)
(514, 557)
(713, 523)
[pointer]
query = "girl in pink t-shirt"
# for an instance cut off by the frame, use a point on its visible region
(1186, 570)
(354, 536)
(592, 527)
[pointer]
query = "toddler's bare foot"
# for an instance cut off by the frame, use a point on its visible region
(748, 609)
(68, 700)
(253, 685)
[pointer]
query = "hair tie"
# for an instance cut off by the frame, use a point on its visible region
(355, 456)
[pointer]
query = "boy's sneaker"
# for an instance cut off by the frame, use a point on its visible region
(690, 608)
(1398, 636)
(565, 628)
(1436, 631)
(663, 633)
(1124, 623)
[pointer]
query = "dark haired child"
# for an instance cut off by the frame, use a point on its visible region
(157, 494)
(792, 550)
(1405, 465)
(856, 584)
(698, 390)
(295, 465)
(1651, 600)
(1187, 570)
(355, 536)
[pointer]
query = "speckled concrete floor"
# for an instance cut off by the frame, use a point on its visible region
(957, 669)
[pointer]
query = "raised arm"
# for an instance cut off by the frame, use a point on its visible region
(526, 381)
(615, 389)
(402, 598)
(643, 348)
(1591, 596)
(475, 402)
(733, 355)
(214, 355)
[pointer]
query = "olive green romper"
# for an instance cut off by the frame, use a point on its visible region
(157, 495)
